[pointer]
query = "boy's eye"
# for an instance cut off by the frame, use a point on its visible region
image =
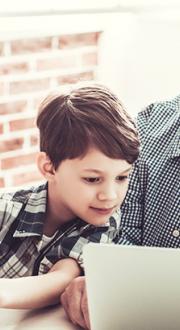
(122, 178)
(91, 180)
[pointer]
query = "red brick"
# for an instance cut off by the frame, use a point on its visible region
(90, 59)
(13, 68)
(1, 128)
(76, 40)
(22, 124)
(28, 177)
(18, 87)
(13, 144)
(30, 45)
(34, 140)
(37, 102)
(75, 78)
(56, 63)
(2, 185)
(12, 107)
(11, 162)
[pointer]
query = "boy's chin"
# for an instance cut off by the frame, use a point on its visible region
(99, 222)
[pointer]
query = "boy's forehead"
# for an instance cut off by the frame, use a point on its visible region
(95, 161)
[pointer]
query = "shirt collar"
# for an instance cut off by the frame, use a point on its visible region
(172, 124)
(174, 148)
(32, 214)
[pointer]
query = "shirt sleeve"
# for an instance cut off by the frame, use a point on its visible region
(72, 246)
(132, 209)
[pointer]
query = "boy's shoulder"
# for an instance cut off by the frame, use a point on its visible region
(22, 195)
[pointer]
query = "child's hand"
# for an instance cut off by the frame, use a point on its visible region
(74, 301)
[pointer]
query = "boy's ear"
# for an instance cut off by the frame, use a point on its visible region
(45, 166)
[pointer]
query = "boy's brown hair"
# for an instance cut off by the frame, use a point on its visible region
(87, 116)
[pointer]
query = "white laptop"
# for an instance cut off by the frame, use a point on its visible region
(132, 288)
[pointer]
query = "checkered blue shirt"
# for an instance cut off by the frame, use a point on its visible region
(151, 210)
(22, 215)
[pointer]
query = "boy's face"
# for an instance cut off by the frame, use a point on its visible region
(92, 187)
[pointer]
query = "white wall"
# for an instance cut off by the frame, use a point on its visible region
(140, 57)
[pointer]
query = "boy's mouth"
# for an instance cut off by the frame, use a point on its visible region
(103, 211)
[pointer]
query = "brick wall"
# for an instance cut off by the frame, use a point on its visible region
(29, 69)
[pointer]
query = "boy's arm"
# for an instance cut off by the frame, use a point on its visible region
(38, 291)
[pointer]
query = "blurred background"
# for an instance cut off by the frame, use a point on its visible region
(132, 46)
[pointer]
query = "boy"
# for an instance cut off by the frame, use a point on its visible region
(88, 144)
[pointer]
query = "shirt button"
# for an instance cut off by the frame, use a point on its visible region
(176, 233)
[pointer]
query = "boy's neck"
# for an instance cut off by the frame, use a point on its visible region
(56, 213)
(49, 228)
(52, 223)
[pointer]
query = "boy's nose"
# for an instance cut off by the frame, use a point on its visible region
(107, 194)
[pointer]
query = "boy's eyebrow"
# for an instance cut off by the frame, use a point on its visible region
(127, 170)
(99, 172)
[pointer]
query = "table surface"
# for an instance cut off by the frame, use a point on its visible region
(51, 318)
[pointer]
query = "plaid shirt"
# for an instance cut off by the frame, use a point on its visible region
(22, 216)
(151, 210)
